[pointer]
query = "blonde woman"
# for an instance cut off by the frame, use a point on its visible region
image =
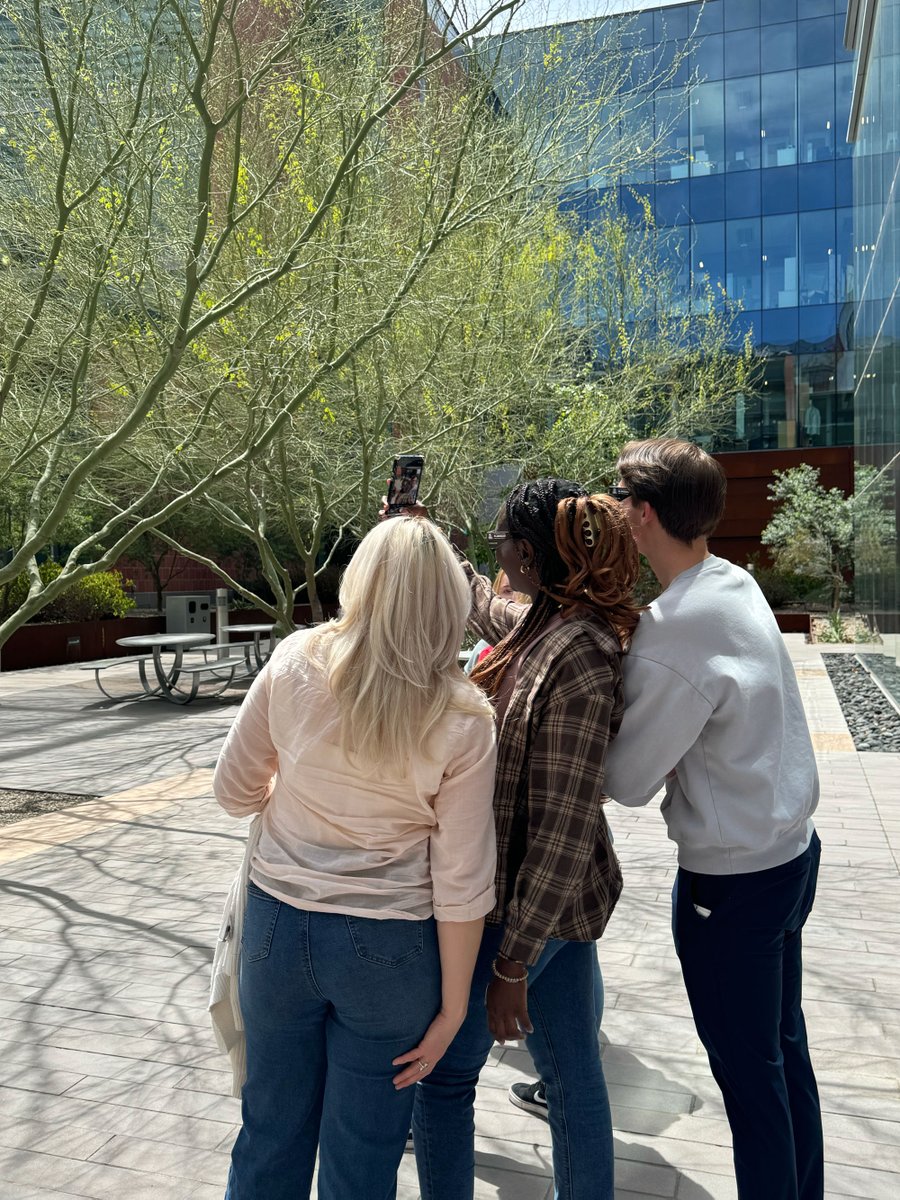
(371, 758)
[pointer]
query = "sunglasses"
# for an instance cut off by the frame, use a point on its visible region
(618, 493)
(496, 537)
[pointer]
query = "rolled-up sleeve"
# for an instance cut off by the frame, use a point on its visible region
(244, 775)
(463, 843)
(491, 616)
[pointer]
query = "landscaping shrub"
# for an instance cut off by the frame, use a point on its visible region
(92, 598)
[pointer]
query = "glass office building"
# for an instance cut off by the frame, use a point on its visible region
(753, 184)
(873, 29)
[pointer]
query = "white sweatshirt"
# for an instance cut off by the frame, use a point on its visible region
(710, 692)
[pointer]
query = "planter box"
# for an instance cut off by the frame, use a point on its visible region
(793, 621)
(50, 644)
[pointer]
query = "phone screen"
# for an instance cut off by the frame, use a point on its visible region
(406, 475)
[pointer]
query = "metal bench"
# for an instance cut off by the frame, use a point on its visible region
(229, 665)
(140, 659)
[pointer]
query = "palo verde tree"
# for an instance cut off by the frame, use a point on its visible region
(175, 177)
(460, 371)
(821, 532)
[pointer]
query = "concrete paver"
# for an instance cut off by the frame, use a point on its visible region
(110, 1083)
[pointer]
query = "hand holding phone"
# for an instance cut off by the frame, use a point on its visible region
(403, 487)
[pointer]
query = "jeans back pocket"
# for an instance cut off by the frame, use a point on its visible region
(389, 943)
(260, 917)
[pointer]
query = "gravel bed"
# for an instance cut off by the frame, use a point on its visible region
(873, 721)
(15, 806)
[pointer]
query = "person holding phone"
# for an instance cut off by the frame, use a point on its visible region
(555, 679)
(371, 758)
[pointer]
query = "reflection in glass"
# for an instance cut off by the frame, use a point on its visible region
(743, 280)
(815, 42)
(843, 89)
(817, 257)
(778, 47)
(672, 134)
(707, 264)
(815, 107)
(742, 142)
(707, 129)
(741, 52)
(741, 14)
(708, 57)
(779, 261)
(779, 119)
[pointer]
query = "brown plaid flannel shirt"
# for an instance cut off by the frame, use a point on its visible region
(557, 872)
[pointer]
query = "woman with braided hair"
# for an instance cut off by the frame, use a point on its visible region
(555, 678)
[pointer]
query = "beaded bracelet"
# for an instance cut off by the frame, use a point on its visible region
(509, 978)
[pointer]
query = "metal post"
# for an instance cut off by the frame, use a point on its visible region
(221, 619)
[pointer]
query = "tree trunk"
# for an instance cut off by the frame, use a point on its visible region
(312, 592)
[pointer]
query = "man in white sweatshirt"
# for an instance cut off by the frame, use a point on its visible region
(713, 712)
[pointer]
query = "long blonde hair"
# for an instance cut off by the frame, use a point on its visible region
(391, 659)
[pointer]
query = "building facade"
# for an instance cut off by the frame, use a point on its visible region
(752, 182)
(873, 31)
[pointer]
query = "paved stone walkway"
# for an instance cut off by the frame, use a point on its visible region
(110, 1086)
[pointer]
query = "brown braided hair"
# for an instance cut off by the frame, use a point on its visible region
(585, 557)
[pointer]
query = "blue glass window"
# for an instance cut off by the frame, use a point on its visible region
(814, 8)
(815, 111)
(779, 119)
(741, 52)
(707, 265)
(843, 181)
(779, 190)
(817, 257)
(707, 17)
(742, 194)
(774, 12)
(707, 129)
(636, 29)
(741, 14)
(742, 141)
(841, 53)
(670, 23)
(815, 183)
(815, 42)
(818, 326)
(708, 198)
(843, 89)
(844, 255)
(779, 261)
(673, 203)
(672, 132)
(675, 255)
(743, 323)
(779, 330)
(778, 47)
(671, 64)
(708, 57)
(632, 200)
(743, 259)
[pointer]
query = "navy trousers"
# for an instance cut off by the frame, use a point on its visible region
(743, 972)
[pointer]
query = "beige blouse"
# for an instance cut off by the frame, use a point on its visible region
(340, 836)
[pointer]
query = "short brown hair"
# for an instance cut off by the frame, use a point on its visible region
(684, 485)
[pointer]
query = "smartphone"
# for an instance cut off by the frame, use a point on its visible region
(406, 475)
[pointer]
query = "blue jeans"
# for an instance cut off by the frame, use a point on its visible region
(742, 968)
(563, 1005)
(328, 1001)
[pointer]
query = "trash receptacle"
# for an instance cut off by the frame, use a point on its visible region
(187, 614)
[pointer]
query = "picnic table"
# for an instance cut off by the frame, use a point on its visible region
(166, 676)
(257, 632)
